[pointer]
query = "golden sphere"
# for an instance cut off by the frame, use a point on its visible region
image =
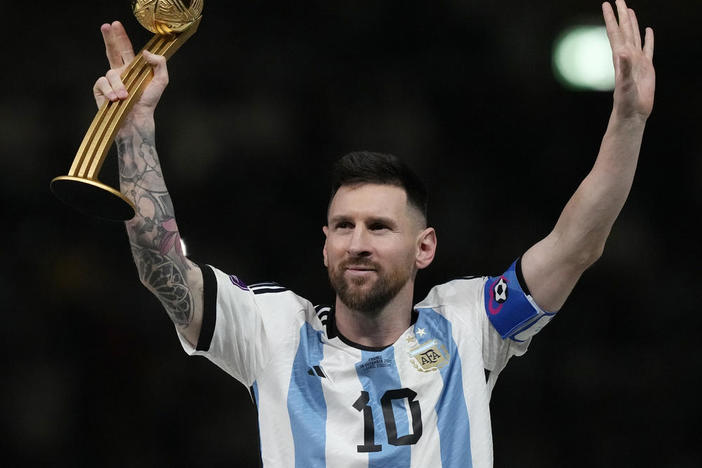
(167, 16)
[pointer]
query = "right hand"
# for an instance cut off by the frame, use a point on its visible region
(120, 54)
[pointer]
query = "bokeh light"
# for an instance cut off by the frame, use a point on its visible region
(582, 59)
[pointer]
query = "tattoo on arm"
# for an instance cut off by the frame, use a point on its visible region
(165, 279)
(153, 232)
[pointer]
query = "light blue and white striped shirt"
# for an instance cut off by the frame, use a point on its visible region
(325, 401)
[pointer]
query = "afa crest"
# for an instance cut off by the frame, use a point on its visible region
(428, 356)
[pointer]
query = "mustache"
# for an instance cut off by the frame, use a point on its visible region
(358, 263)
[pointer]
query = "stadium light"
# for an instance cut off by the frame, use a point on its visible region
(582, 59)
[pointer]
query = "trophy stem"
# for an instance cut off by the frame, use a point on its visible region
(102, 131)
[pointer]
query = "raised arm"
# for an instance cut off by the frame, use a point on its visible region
(553, 266)
(153, 233)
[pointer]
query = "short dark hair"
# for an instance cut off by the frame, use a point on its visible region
(367, 167)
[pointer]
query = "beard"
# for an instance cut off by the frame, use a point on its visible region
(367, 295)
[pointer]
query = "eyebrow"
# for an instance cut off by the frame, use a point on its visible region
(382, 220)
(371, 220)
(339, 218)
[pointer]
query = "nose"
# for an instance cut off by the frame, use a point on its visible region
(359, 245)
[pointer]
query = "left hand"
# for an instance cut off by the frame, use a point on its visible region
(635, 77)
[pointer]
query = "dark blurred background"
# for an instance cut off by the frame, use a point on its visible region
(262, 99)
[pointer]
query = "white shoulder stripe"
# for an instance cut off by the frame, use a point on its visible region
(265, 285)
(261, 288)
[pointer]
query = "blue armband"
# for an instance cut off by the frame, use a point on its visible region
(509, 306)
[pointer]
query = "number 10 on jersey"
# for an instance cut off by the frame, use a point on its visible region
(386, 400)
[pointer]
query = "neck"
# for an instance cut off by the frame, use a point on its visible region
(381, 329)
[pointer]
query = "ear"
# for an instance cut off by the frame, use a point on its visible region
(426, 248)
(325, 230)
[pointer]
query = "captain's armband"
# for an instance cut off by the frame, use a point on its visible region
(510, 308)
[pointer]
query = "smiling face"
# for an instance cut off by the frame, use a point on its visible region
(375, 243)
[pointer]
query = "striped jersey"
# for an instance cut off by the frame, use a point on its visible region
(323, 400)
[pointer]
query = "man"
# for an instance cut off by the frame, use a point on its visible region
(374, 380)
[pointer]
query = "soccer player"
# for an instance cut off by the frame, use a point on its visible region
(374, 380)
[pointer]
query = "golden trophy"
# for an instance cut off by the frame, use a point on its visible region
(173, 22)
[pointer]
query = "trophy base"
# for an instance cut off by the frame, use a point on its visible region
(93, 198)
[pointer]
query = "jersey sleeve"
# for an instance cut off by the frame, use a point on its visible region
(496, 313)
(510, 319)
(233, 333)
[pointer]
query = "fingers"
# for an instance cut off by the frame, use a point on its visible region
(112, 56)
(626, 29)
(158, 63)
(115, 81)
(102, 90)
(119, 51)
(118, 47)
(124, 45)
(610, 23)
(649, 42)
(624, 22)
(109, 87)
(636, 32)
(112, 88)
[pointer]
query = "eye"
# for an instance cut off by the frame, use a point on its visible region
(378, 227)
(343, 225)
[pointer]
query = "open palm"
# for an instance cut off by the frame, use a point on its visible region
(635, 81)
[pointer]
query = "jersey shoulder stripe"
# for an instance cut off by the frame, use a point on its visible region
(263, 288)
(322, 313)
(264, 283)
